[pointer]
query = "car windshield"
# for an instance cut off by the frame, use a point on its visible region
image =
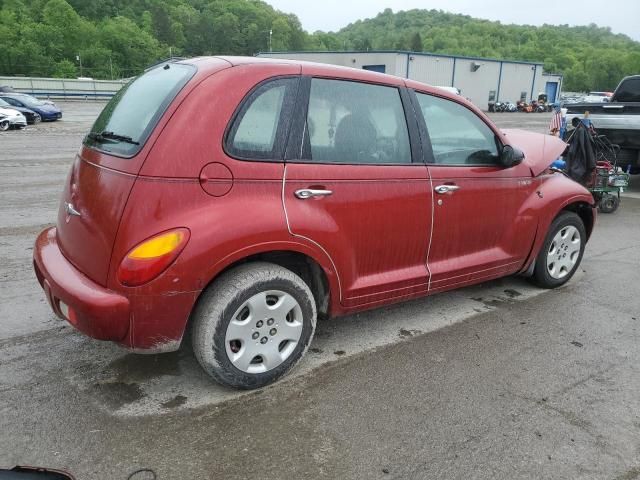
(128, 119)
(4, 104)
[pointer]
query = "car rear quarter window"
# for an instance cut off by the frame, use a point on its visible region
(356, 123)
(136, 109)
(259, 128)
(458, 136)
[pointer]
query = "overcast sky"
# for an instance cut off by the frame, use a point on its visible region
(331, 15)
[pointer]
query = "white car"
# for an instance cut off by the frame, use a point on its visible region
(454, 90)
(597, 97)
(11, 118)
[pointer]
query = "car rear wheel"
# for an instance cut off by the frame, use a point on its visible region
(561, 252)
(253, 324)
(37, 118)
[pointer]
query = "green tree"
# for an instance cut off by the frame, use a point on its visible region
(416, 42)
(65, 69)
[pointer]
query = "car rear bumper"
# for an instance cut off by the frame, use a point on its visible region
(143, 323)
(94, 310)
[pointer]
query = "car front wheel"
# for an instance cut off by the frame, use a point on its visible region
(253, 324)
(561, 252)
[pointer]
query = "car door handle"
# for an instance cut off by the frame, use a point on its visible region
(442, 189)
(305, 193)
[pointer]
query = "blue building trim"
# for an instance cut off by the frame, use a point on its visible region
(453, 73)
(403, 52)
(499, 82)
(533, 82)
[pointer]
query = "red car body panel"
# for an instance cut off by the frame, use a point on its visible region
(101, 313)
(381, 237)
(376, 225)
(495, 237)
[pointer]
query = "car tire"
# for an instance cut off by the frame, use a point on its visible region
(4, 126)
(37, 119)
(253, 324)
(608, 203)
(561, 252)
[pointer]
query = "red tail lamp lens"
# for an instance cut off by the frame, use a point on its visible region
(150, 258)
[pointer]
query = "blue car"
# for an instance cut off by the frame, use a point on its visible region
(47, 111)
(31, 116)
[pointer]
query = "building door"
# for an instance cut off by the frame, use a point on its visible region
(551, 90)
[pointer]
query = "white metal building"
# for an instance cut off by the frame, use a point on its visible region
(480, 79)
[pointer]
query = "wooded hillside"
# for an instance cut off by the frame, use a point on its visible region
(118, 38)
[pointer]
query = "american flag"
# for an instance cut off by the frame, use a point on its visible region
(556, 122)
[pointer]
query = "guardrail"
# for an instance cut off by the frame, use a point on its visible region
(64, 87)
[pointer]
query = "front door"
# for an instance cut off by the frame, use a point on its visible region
(355, 191)
(480, 230)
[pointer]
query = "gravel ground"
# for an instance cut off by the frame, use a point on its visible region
(495, 381)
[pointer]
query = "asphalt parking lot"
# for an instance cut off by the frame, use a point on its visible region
(500, 380)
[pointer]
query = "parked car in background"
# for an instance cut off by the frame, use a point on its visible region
(47, 110)
(454, 90)
(618, 119)
(31, 116)
(303, 191)
(597, 97)
(13, 118)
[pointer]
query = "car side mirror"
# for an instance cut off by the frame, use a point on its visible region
(510, 156)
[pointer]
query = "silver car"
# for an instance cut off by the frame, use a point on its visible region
(11, 118)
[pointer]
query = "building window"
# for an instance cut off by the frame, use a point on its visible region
(492, 96)
(523, 96)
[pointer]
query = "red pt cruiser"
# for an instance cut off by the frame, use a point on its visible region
(249, 197)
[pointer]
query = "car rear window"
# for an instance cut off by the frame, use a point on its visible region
(128, 119)
(629, 91)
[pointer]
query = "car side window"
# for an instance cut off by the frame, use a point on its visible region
(458, 136)
(355, 123)
(11, 101)
(257, 131)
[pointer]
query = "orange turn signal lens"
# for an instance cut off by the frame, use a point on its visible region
(158, 246)
(150, 258)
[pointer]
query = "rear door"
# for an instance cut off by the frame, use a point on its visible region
(357, 186)
(479, 228)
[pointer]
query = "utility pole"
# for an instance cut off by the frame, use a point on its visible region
(170, 53)
(270, 35)
(79, 60)
(111, 66)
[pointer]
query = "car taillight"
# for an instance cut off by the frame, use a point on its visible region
(150, 258)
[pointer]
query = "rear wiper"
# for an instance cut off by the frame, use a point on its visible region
(106, 135)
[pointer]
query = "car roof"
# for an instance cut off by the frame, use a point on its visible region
(320, 69)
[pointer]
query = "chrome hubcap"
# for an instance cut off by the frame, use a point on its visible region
(264, 331)
(563, 252)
